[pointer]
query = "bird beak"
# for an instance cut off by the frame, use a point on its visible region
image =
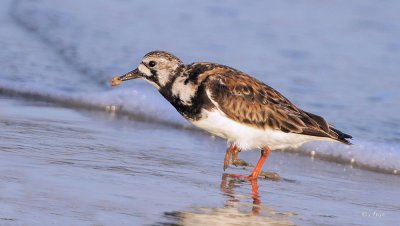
(128, 76)
(131, 75)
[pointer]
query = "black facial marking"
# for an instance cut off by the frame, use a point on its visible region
(153, 77)
(153, 72)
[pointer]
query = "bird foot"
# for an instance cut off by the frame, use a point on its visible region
(263, 175)
(241, 177)
(270, 176)
(239, 162)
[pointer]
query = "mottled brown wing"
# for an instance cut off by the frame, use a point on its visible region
(247, 100)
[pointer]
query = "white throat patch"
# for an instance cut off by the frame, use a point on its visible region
(184, 92)
(163, 77)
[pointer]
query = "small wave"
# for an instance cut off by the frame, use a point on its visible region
(142, 103)
(373, 156)
(138, 104)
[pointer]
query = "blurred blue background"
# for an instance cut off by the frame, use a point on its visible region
(336, 58)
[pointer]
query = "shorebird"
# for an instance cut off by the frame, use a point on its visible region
(232, 105)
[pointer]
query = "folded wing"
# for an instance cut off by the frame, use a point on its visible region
(247, 100)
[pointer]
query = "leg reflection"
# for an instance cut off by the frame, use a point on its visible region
(256, 198)
(230, 181)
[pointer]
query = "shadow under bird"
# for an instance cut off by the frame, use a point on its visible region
(233, 105)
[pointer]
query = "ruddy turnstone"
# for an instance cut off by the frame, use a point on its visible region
(233, 105)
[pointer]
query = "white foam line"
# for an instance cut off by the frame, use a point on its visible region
(379, 157)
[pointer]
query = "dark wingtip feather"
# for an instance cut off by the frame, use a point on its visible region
(345, 141)
(342, 137)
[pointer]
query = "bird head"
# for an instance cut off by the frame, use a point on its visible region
(157, 67)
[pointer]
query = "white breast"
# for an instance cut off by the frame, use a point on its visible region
(248, 137)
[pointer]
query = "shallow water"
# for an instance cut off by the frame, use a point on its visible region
(82, 167)
(74, 151)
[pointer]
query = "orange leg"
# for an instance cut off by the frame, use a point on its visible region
(235, 155)
(257, 169)
(232, 148)
(264, 155)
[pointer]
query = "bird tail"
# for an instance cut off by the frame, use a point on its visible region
(339, 135)
(329, 130)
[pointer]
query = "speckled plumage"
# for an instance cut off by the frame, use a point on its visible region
(231, 104)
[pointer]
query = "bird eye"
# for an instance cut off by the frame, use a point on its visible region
(152, 63)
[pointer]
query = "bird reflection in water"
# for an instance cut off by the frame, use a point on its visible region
(231, 181)
(232, 213)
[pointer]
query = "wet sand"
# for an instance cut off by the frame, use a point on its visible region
(69, 167)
